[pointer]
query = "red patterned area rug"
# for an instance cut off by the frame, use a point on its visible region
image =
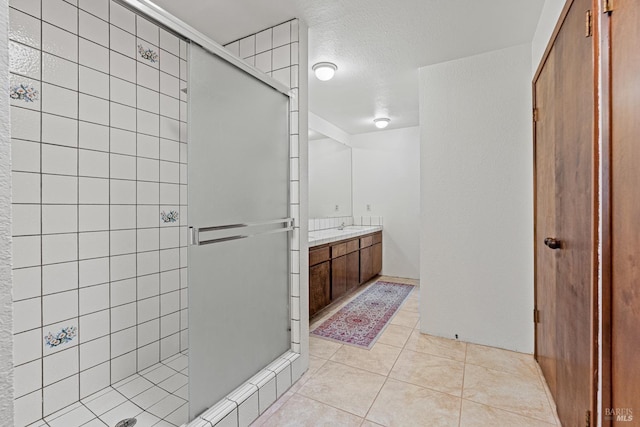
(361, 321)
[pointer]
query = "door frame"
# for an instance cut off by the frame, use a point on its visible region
(595, 196)
(606, 321)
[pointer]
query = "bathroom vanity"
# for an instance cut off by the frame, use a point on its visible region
(340, 261)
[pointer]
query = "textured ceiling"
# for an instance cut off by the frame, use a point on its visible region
(378, 45)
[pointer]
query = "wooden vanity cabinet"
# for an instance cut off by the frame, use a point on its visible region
(345, 267)
(338, 277)
(376, 254)
(338, 268)
(366, 264)
(376, 259)
(353, 264)
(319, 279)
(370, 256)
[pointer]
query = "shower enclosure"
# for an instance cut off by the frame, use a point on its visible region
(156, 275)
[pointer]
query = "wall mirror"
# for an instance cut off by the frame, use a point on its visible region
(329, 177)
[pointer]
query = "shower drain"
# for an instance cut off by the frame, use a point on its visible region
(128, 422)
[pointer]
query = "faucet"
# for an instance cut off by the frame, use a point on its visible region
(341, 227)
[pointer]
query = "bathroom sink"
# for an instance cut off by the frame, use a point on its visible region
(355, 227)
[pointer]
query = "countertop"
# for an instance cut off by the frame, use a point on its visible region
(320, 237)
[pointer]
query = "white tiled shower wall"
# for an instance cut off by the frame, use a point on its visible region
(99, 174)
(99, 198)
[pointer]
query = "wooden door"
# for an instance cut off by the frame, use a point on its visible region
(545, 214)
(575, 215)
(565, 145)
(625, 215)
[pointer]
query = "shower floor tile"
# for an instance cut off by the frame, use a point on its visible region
(104, 402)
(156, 397)
(74, 418)
(134, 387)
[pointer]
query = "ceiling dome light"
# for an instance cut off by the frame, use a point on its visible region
(324, 70)
(382, 122)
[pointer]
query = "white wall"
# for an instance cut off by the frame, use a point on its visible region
(476, 263)
(329, 178)
(548, 19)
(6, 320)
(386, 176)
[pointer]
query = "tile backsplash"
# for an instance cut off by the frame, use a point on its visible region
(99, 132)
(367, 220)
(316, 224)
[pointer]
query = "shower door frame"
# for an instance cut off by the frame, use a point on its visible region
(271, 373)
(179, 27)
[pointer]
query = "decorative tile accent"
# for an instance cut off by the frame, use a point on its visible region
(172, 216)
(148, 54)
(62, 337)
(24, 93)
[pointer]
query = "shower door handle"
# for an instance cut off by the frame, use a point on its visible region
(194, 232)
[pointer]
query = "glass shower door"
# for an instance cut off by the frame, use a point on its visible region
(239, 228)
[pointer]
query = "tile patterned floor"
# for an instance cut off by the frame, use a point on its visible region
(411, 379)
(157, 396)
(405, 379)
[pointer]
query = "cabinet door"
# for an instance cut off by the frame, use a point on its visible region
(377, 238)
(353, 270)
(338, 277)
(319, 286)
(376, 261)
(366, 264)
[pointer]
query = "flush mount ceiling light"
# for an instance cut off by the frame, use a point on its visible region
(324, 70)
(382, 122)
